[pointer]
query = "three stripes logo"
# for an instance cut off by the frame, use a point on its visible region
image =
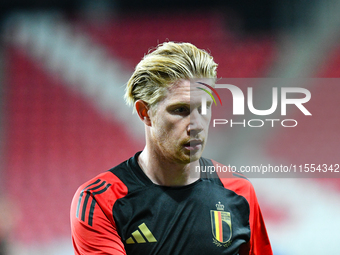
(140, 235)
(86, 202)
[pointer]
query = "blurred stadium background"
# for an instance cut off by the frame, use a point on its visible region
(63, 66)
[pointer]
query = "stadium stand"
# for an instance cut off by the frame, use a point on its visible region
(130, 37)
(316, 139)
(55, 141)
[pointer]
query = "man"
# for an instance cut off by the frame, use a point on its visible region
(155, 202)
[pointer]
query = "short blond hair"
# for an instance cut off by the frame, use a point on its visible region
(165, 65)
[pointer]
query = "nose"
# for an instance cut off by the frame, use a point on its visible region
(195, 124)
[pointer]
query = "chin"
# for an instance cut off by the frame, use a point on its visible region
(187, 158)
(195, 156)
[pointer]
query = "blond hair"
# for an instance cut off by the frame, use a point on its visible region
(168, 63)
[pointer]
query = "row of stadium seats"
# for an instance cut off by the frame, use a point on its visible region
(55, 140)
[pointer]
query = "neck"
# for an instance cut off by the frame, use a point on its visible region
(165, 172)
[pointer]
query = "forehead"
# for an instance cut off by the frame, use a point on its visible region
(185, 91)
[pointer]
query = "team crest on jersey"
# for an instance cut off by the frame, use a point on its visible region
(221, 226)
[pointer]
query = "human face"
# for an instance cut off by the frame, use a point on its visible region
(178, 130)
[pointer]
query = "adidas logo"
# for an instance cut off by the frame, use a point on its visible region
(139, 237)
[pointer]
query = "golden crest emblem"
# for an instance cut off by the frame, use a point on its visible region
(221, 226)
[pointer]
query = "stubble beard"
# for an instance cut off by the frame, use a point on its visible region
(174, 153)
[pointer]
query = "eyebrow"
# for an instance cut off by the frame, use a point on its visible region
(179, 104)
(190, 104)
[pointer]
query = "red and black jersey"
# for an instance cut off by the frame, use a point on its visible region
(122, 211)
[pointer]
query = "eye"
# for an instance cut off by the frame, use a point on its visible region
(180, 110)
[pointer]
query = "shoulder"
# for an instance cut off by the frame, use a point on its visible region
(93, 225)
(235, 181)
(115, 180)
(106, 182)
(102, 190)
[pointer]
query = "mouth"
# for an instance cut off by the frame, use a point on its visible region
(193, 145)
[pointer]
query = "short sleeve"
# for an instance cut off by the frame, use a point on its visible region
(92, 224)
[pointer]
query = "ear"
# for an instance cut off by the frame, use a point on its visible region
(142, 109)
